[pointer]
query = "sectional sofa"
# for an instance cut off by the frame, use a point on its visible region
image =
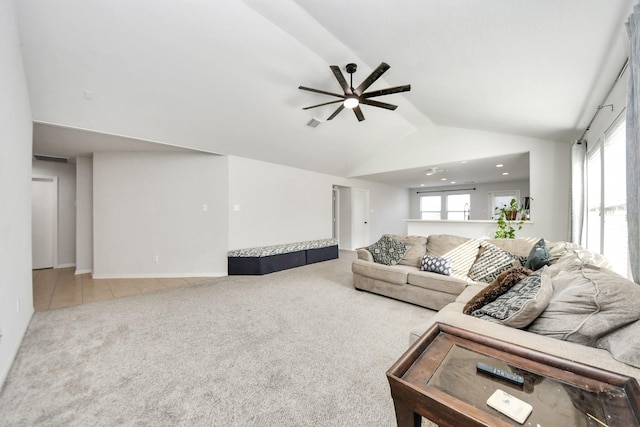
(572, 306)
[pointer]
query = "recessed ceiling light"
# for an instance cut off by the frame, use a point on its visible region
(443, 179)
(505, 173)
(453, 182)
(421, 185)
(499, 165)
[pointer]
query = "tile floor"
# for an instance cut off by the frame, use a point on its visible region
(61, 287)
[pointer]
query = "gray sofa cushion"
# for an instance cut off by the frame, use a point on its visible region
(623, 344)
(587, 304)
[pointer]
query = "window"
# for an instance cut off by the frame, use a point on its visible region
(458, 206)
(607, 198)
(446, 206)
(430, 207)
(498, 199)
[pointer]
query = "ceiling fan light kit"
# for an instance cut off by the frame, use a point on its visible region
(352, 98)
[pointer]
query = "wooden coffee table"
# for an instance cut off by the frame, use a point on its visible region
(436, 378)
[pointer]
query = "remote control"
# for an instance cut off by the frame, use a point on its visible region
(499, 373)
(509, 405)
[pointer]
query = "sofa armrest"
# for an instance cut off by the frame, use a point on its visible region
(364, 254)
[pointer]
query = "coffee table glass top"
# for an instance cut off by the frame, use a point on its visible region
(555, 403)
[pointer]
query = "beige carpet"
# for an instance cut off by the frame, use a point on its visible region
(295, 348)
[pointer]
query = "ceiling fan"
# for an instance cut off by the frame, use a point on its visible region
(352, 98)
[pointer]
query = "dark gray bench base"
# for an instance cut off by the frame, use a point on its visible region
(265, 264)
(272, 263)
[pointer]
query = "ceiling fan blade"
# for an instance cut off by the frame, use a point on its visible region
(320, 105)
(388, 91)
(378, 104)
(320, 91)
(375, 75)
(341, 79)
(358, 113)
(335, 113)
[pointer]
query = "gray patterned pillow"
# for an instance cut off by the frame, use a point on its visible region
(437, 264)
(521, 304)
(387, 251)
(491, 262)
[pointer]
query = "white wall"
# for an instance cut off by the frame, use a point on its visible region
(280, 204)
(549, 166)
(66, 173)
(148, 205)
(84, 215)
(15, 188)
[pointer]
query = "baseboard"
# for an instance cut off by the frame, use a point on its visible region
(78, 272)
(157, 275)
(72, 264)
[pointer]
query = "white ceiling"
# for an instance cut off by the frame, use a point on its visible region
(222, 76)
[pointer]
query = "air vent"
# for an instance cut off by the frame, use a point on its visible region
(51, 158)
(313, 123)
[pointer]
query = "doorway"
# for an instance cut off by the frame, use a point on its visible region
(44, 222)
(351, 216)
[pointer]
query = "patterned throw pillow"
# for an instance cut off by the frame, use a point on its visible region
(491, 262)
(437, 264)
(521, 304)
(505, 281)
(387, 251)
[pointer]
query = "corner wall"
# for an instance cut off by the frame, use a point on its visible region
(159, 214)
(16, 298)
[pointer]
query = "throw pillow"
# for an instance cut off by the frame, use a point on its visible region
(521, 304)
(623, 344)
(499, 286)
(387, 251)
(417, 247)
(587, 304)
(491, 262)
(462, 250)
(538, 257)
(437, 264)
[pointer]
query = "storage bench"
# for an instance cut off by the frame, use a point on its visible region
(268, 259)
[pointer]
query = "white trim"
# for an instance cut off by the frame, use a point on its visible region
(71, 264)
(79, 272)
(157, 275)
(54, 180)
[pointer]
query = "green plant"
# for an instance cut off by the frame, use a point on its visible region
(508, 221)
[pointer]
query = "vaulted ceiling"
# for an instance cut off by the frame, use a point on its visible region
(222, 76)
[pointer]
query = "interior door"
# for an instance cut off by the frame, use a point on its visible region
(360, 216)
(43, 222)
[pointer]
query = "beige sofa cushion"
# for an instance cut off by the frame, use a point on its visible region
(462, 250)
(395, 274)
(417, 248)
(520, 246)
(435, 281)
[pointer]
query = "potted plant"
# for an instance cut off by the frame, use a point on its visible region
(508, 220)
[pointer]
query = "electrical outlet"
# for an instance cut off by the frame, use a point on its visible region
(156, 258)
